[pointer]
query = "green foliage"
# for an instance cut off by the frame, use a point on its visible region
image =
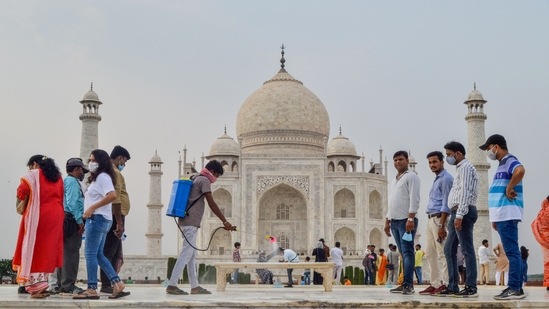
(185, 275)
(171, 264)
(244, 278)
(206, 273)
(6, 270)
(356, 277)
(211, 275)
(348, 273)
(360, 276)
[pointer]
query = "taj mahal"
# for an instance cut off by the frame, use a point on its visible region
(285, 177)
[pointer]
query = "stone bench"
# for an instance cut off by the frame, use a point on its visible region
(325, 269)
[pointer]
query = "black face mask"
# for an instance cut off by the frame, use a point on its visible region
(81, 177)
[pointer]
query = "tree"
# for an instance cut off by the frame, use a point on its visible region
(6, 269)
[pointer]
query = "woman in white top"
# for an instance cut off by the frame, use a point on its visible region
(98, 215)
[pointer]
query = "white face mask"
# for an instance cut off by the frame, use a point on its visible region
(491, 155)
(93, 166)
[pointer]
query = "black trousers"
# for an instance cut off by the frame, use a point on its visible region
(66, 276)
(112, 249)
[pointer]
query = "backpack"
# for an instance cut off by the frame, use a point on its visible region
(179, 198)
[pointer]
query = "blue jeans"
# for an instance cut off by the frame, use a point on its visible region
(419, 275)
(465, 238)
(234, 276)
(524, 271)
(307, 278)
(96, 231)
(406, 248)
(508, 233)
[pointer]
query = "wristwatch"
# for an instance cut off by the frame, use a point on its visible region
(439, 226)
(410, 219)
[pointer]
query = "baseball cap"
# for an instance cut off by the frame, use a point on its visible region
(494, 139)
(77, 162)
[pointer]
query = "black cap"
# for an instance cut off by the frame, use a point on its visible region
(494, 139)
(77, 162)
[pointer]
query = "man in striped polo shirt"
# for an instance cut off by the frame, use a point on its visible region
(505, 206)
(462, 201)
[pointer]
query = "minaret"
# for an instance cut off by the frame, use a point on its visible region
(475, 137)
(90, 124)
(154, 231)
(411, 162)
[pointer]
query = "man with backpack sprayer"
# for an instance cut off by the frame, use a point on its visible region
(189, 225)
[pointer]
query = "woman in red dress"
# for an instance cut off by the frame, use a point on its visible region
(39, 248)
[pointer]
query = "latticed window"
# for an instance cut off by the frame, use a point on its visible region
(284, 242)
(282, 212)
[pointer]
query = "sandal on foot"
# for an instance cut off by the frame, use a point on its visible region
(173, 290)
(118, 295)
(118, 287)
(87, 294)
(40, 295)
(200, 290)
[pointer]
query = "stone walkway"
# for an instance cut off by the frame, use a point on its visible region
(254, 296)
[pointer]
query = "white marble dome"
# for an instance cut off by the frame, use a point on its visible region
(225, 146)
(156, 158)
(340, 146)
(285, 113)
(91, 96)
(475, 95)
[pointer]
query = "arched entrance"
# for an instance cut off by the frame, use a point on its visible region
(283, 212)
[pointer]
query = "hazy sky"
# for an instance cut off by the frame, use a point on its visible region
(170, 73)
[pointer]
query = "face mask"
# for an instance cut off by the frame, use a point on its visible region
(407, 236)
(491, 155)
(451, 160)
(120, 167)
(81, 177)
(93, 166)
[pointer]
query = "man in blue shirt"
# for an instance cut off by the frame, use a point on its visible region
(437, 213)
(506, 206)
(73, 228)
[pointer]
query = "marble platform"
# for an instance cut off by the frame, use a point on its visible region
(254, 296)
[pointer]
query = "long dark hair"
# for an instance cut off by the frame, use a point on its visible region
(105, 165)
(47, 165)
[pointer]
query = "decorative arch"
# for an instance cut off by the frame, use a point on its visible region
(347, 239)
(331, 167)
(225, 202)
(352, 167)
(344, 204)
(234, 167)
(283, 199)
(375, 237)
(341, 166)
(221, 244)
(375, 208)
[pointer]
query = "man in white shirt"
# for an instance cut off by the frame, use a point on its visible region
(484, 262)
(401, 221)
(289, 255)
(337, 258)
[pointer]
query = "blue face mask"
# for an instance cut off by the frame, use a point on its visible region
(407, 236)
(451, 160)
(120, 167)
